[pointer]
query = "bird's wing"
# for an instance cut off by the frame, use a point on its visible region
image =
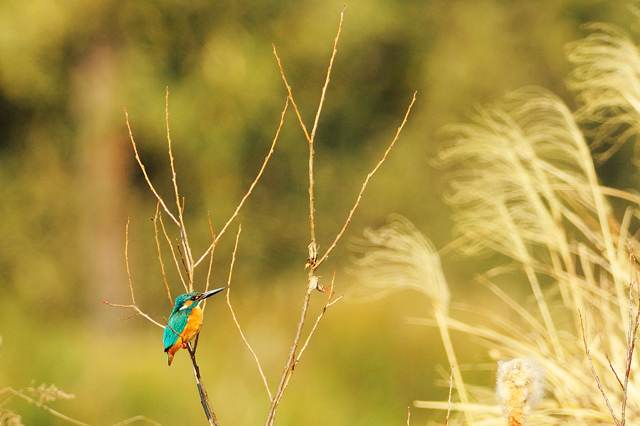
(177, 323)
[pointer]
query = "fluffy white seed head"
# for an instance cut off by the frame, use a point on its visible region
(519, 388)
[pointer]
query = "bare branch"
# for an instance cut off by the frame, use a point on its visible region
(312, 261)
(593, 371)
(292, 359)
(40, 405)
(255, 181)
(606, 354)
(326, 82)
(183, 230)
(133, 298)
(366, 182)
(312, 209)
(126, 256)
(632, 333)
(144, 172)
(235, 319)
(185, 265)
(213, 237)
(173, 254)
(310, 138)
(164, 276)
(293, 102)
(138, 310)
(288, 368)
(313, 330)
(204, 397)
(137, 418)
(446, 422)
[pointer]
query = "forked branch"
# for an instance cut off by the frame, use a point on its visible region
(253, 184)
(632, 333)
(312, 262)
(133, 297)
(184, 249)
(366, 182)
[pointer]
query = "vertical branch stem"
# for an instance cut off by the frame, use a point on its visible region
(288, 368)
(313, 262)
(204, 397)
(313, 134)
(183, 230)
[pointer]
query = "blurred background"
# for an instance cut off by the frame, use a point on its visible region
(69, 182)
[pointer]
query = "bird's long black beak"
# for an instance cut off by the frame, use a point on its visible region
(211, 292)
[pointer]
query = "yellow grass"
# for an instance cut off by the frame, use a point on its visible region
(523, 184)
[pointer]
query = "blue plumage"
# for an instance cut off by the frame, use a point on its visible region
(178, 319)
(184, 322)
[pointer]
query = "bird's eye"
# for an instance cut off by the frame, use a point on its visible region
(193, 297)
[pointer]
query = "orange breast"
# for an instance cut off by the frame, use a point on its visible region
(191, 330)
(194, 324)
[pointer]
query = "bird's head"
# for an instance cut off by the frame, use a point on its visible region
(193, 299)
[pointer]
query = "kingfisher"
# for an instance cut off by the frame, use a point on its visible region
(185, 321)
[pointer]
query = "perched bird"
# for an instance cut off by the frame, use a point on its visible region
(184, 322)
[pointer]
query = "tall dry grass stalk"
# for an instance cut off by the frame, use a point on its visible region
(606, 79)
(524, 185)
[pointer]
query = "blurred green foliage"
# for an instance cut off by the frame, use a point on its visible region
(68, 183)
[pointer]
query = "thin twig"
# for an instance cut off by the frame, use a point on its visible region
(606, 354)
(173, 254)
(288, 368)
(366, 182)
(253, 184)
(235, 320)
(312, 262)
(144, 172)
(446, 422)
(408, 416)
(40, 405)
(593, 371)
(133, 298)
(204, 397)
(313, 134)
(310, 138)
(126, 256)
(137, 418)
(138, 312)
(311, 333)
(313, 330)
(631, 334)
(185, 265)
(290, 94)
(213, 237)
(293, 359)
(164, 276)
(183, 230)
